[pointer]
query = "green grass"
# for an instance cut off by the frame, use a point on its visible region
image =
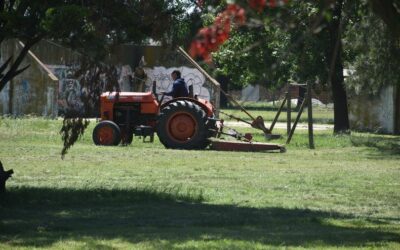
(320, 114)
(345, 194)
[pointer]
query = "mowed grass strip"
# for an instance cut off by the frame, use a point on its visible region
(345, 194)
(321, 114)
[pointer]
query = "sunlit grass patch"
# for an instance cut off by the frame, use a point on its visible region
(144, 196)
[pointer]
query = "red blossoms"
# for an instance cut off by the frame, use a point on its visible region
(259, 5)
(210, 38)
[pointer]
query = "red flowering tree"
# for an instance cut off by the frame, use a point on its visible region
(320, 57)
(210, 38)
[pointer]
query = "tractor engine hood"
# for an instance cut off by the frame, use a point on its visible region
(141, 97)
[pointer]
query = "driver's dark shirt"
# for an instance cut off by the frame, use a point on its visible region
(179, 89)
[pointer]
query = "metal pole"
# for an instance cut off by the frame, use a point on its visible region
(310, 118)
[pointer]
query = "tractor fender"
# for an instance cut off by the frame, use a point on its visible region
(204, 104)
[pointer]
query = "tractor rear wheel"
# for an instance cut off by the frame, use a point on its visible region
(182, 125)
(107, 133)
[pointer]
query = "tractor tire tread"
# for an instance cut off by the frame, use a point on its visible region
(113, 126)
(200, 141)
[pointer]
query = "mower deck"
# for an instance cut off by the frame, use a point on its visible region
(222, 145)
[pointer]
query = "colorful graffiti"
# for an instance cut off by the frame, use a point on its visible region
(141, 79)
(162, 77)
(69, 89)
(70, 94)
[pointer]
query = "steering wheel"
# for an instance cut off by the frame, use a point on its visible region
(161, 98)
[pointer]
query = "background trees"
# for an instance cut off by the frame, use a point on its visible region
(311, 41)
(91, 28)
(372, 51)
(270, 41)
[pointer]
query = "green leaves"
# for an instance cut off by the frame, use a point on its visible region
(254, 56)
(90, 27)
(65, 21)
(373, 54)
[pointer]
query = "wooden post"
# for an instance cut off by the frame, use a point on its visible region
(310, 117)
(297, 120)
(277, 114)
(288, 112)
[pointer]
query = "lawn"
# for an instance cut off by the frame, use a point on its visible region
(321, 114)
(344, 194)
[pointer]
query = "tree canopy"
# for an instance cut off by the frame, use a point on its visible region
(253, 41)
(307, 41)
(91, 28)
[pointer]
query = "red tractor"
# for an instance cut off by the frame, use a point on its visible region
(181, 123)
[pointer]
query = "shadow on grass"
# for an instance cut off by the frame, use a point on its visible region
(40, 217)
(385, 145)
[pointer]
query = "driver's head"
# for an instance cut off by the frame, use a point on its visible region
(176, 74)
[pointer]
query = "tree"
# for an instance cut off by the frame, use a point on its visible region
(89, 27)
(92, 28)
(317, 37)
(336, 79)
(254, 56)
(389, 12)
(312, 46)
(372, 52)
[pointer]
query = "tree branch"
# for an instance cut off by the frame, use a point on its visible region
(4, 66)
(13, 71)
(386, 10)
(11, 5)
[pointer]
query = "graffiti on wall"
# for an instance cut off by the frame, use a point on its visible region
(69, 89)
(125, 78)
(23, 95)
(162, 77)
(140, 79)
(70, 93)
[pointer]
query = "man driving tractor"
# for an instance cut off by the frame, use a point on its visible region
(179, 88)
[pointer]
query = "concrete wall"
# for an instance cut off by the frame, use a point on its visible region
(377, 113)
(158, 64)
(192, 76)
(33, 92)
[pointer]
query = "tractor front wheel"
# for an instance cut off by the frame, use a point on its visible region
(107, 133)
(182, 125)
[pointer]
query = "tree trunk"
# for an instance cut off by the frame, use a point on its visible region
(341, 116)
(387, 11)
(224, 81)
(4, 175)
(300, 98)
